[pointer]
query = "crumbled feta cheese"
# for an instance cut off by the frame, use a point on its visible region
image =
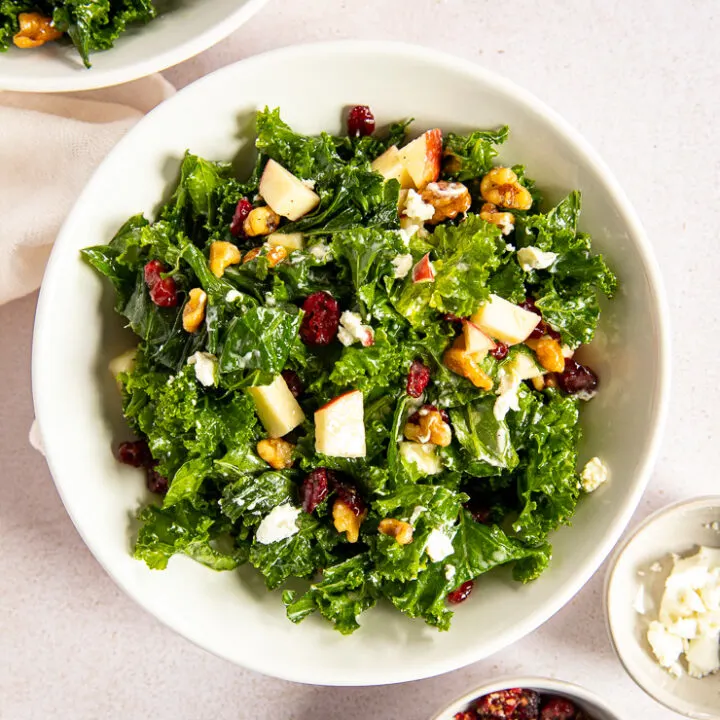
(422, 455)
(416, 209)
(449, 572)
(408, 228)
(689, 618)
(510, 377)
(279, 524)
(509, 247)
(232, 296)
(205, 367)
(402, 264)
(270, 299)
(438, 545)
(319, 251)
(532, 258)
(594, 474)
(352, 330)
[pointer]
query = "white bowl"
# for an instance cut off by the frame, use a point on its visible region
(680, 529)
(584, 699)
(174, 36)
(77, 333)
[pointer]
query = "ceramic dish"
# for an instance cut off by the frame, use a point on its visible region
(77, 333)
(174, 36)
(582, 698)
(644, 560)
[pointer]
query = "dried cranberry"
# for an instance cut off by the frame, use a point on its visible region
(135, 453)
(558, 709)
(512, 704)
(164, 293)
(294, 383)
(449, 317)
(152, 272)
(242, 210)
(500, 350)
(461, 594)
(349, 495)
(577, 379)
(155, 482)
(418, 379)
(322, 316)
(360, 121)
(314, 488)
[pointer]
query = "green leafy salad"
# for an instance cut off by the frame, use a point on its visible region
(356, 367)
(89, 24)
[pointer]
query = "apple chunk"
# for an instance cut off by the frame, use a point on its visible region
(289, 241)
(422, 157)
(504, 321)
(423, 270)
(477, 343)
(276, 407)
(390, 165)
(340, 427)
(286, 194)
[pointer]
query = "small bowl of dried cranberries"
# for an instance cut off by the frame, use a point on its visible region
(528, 698)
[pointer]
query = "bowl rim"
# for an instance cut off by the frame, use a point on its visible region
(94, 79)
(404, 51)
(685, 504)
(553, 685)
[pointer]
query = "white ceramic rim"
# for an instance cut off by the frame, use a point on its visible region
(93, 79)
(702, 501)
(556, 687)
(573, 137)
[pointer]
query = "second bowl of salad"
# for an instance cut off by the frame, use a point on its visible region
(381, 374)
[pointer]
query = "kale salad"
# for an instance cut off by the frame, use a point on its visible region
(89, 24)
(356, 367)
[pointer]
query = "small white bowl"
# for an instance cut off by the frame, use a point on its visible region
(679, 528)
(584, 699)
(76, 334)
(176, 35)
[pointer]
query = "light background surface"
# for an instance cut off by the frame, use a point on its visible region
(640, 81)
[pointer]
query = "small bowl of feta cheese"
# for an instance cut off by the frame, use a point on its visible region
(663, 606)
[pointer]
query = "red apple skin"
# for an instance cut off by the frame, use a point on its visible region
(423, 270)
(334, 400)
(491, 344)
(433, 157)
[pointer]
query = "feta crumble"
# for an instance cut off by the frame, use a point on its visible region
(205, 367)
(319, 251)
(689, 618)
(532, 258)
(279, 524)
(232, 296)
(352, 330)
(416, 209)
(402, 264)
(594, 474)
(438, 545)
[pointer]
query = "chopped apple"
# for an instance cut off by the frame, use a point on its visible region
(340, 427)
(390, 165)
(477, 343)
(289, 241)
(286, 194)
(422, 158)
(504, 321)
(423, 270)
(422, 455)
(276, 407)
(122, 363)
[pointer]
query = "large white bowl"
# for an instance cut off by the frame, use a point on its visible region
(176, 35)
(77, 333)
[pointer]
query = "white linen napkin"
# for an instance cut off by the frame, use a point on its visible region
(49, 146)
